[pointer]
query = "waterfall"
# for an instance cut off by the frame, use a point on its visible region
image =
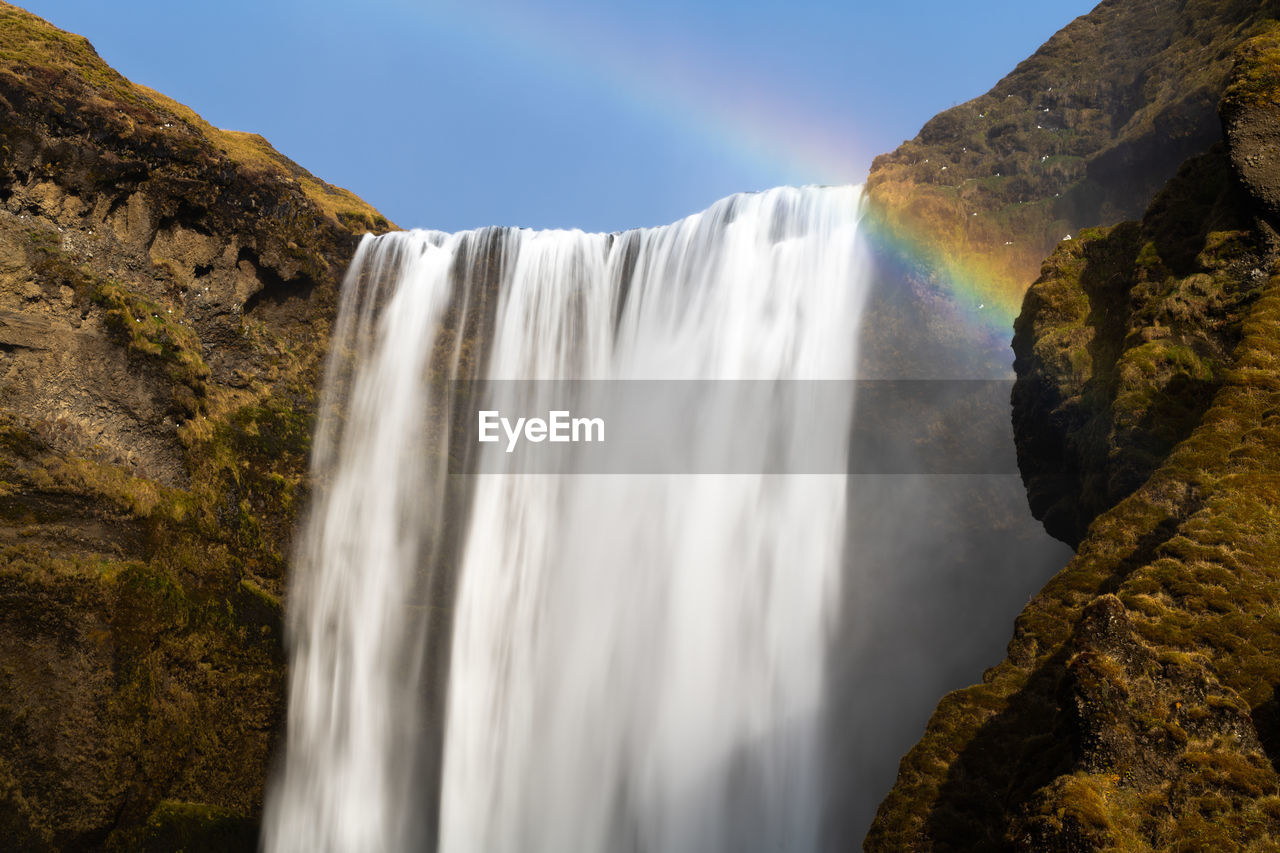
(633, 661)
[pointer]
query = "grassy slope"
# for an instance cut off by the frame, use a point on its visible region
(1081, 134)
(30, 48)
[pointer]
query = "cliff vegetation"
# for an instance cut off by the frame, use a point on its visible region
(165, 294)
(1137, 707)
(1081, 134)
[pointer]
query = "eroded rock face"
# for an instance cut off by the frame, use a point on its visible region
(1137, 707)
(165, 295)
(1142, 727)
(1123, 341)
(1251, 118)
(1081, 134)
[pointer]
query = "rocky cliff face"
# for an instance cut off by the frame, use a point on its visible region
(165, 290)
(1137, 707)
(1081, 134)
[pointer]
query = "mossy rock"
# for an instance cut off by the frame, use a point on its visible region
(1251, 115)
(177, 827)
(1124, 340)
(166, 290)
(1137, 708)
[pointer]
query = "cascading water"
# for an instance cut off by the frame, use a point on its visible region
(636, 661)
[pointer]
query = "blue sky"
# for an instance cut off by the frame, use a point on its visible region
(454, 114)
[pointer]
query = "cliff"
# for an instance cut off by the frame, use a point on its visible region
(1136, 709)
(1081, 134)
(165, 294)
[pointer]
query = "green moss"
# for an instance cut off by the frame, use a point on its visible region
(1083, 802)
(1255, 79)
(146, 329)
(191, 828)
(270, 429)
(154, 333)
(262, 450)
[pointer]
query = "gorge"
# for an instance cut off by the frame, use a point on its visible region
(710, 662)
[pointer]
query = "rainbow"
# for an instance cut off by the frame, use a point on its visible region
(762, 130)
(980, 294)
(681, 88)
